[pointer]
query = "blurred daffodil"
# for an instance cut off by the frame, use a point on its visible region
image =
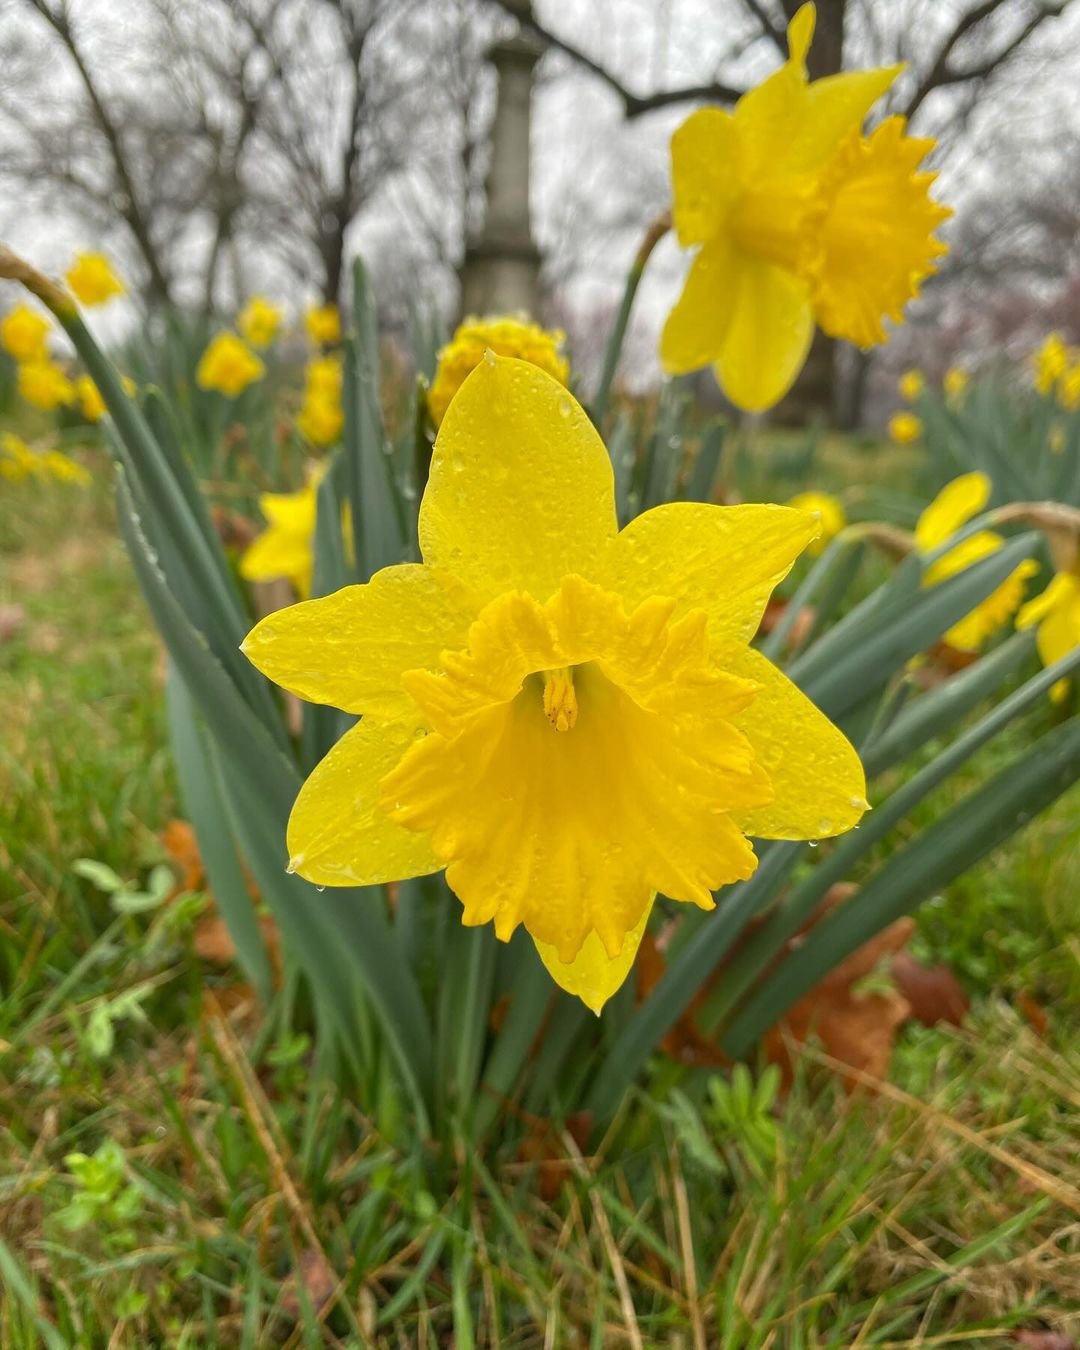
(92, 279)
(505, 336)
(1057, 613)
(955, 383)
(1050, 362)
(228, 365)
(829, 513)
(904, 427)
(911, 384)
(259, 321)
(798, 218)
(1069, 388)
(91, 404)
(321, 417)
(44, 384)
(953, 507)
(18, 462)
(323, 323)
(566, 717)
(286, 548)
(24, 334)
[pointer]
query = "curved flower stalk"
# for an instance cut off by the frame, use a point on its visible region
(505, 336)
(953, 507)
(566, 717)
(799, 219)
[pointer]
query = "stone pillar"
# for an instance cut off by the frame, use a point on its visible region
(501, 271)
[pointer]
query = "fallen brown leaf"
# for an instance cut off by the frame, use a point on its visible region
(179, 843)
(1044, 1340)
(11, 620)
(317, 1279)
(934, 992)
(1033, 1013)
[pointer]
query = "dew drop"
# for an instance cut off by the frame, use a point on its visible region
(457, 461)
(320, 889)
(564, 406)
(824, 826)
(489, 357)
(812, 842)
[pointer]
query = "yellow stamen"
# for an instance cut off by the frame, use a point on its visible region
(560, 700)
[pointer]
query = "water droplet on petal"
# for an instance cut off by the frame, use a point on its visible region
(320, 889)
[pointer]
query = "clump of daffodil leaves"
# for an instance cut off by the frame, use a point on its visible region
(566, 717)
(799, 219)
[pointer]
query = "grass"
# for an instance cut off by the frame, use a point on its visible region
(178, 1169)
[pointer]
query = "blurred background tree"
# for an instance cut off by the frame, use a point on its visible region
(248, 145)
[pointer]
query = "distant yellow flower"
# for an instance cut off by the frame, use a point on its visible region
(1050, 362)
(92, 279)
(505, 336)
(911, 384)
(829, 512)
(229, 366)
(320, 421)
(953, 507)
(955, 383)
(904, 427)
(1057, 613)
(286, 548)
(45, 385)
(63, 469)
(1069, 388)
(321, 418)
(91, 404)
(566, 717)
(24, 333)
(323, 324)
(799, 218)
(1056, 439)
(259, 321)
(19, 462)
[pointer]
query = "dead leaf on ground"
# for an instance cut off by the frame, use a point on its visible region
(934, 992)
(12, 618)
(855, 1028)
(318, 1281)
(213, 942)
(1044, 1340)
(1033, 1013)
(182, 849)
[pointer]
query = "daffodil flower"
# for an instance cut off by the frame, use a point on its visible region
(228, 365)
(904, 428)
(259, 321)
(91, 404)
(323, 323)
(1050, 362)
(829, 513)
(92, 279)
(24, 334)
(1057, 613)
(286, 548)
(44, 384)
(953, 507)
(505, 336)
(566, 717)
(798, 218)
(955, 383)
(911, 384)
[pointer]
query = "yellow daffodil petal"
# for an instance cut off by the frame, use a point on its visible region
(1062, 590)
(704, 179)
(271, 555)
(725, 560)
(351, 648)
(694, 332)
(338, 835)
(954, 506)
(593, 976)
(819, 787)
(768, 337)
(520, 491)
(877, 241)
